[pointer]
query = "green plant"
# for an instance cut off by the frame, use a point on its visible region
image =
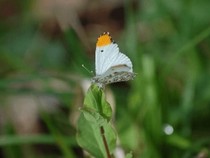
(95, 130)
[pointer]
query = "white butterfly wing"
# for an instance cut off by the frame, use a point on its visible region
(109, 56)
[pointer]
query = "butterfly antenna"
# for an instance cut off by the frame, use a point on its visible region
(91, 72)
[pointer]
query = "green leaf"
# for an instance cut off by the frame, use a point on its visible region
(95, 102)
(96, 115)
(93, 116)
(89, 137)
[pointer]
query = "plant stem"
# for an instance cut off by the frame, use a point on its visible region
(105, 142)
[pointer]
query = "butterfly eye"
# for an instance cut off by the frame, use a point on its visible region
(102, 50)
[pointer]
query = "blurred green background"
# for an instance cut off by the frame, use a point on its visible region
(164, 112)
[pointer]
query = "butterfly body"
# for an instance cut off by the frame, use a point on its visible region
(111, 65)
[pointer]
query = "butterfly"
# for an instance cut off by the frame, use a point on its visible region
(110, 64)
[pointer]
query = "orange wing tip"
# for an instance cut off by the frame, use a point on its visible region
(104, 39)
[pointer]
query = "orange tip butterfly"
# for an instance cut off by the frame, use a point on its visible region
(110, 64)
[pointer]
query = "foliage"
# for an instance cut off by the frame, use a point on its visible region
(96, 114)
